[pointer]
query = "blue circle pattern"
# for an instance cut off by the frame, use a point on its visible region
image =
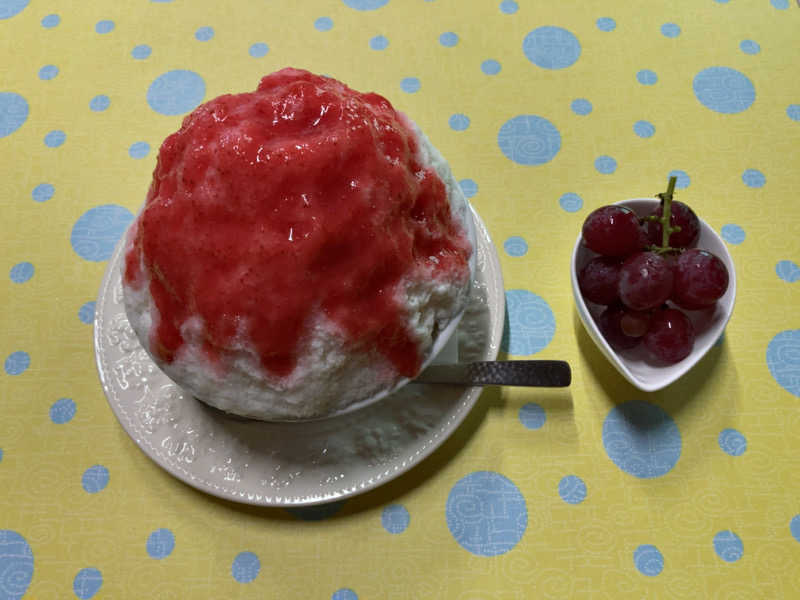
(62, 411)
(379, 42)
(749, 47)
(605, 164)
(788, 271)
(647, 77)
(509, 7)
(670, 30)
(365, 4)
(96, 232)
(529, 140)
(10, 8)
(572, 489)
(486, 513)
(99, 103)
(551, 47)
(48, 72)
(458, 122)
(95, 479)
(794, 527)
(469, 187)
(323, 24)
(606, 24)
(683, 178)
(648, 560)
(258, 50)
(86, 312)
(792, 111)
(176, 92)
(754, 178)
(103, 27)
(644, 129)
(531, 324)
(732, 442)
(581, 106)
(395, 518)
(21, 272)
(204, 34)
(17, 363)
(532, 415)
(317, 512)
(641, 439)
(733, 234)
(448, 39)
(491, 67)
(571, 202)
(728, 546)
(16, 558)
(410, 85)
(141, 51)
(344, 594)
(13, 112)
(780, 4)
(87, 583)
(724, 90)
(783, 360)
(160, 543)
(245, 567)
(139, 150)
(515, 246)
(55, 138)
(51, 21)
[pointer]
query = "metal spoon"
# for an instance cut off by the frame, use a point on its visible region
(529, 373)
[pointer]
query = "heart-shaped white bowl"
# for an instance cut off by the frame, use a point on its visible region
(636, 365)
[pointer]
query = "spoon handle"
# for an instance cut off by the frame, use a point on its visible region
(529, 373)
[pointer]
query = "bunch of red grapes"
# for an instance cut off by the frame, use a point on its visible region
(645, 275)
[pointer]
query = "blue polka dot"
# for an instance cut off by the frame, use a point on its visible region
(531, 324)
(529, 140)
(641, 439)
(605, 164)
(644, 129)
(749, 47)
(323, 24)
(139, 150)
(509, 7)
(176, 92)
(646, 77)
(16, 556)
(469, 187)
(732, 442)
(458, 122)
(55, 138)
(532, 415)
(792, 111)
(62, 411)
(754, 178)
(344, 594)
(97, 231)
(365, 4)
(648, 560)
(780, 4)
(48, 72)
(683, 179)
(670, 30)
(86, 313)
(571, 202)
(395, 518)
(245, 567)
(87, 583)
(724, 90)
(51, 21)
(17, 362)
(794, 527)
(581, 106)
(1, 455)
(448, 39)
(486, 513)
(722, 1)
(572, 489)
(21, 272)
(99, 103)
(728, 546)
(783, 360)
(490, 67)
(258, 50)
(141, 51)
(410, 85)
(10, 8)
(95, 479)
(788, 271)
(204, 34)
(104, 26)
(606, 24)
(160, 543)
(515, 246)
(733, 234)
(379, 42)
(551, 47)
(317, 512)
(13, 113)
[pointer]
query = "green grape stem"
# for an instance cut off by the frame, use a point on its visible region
(667, 229)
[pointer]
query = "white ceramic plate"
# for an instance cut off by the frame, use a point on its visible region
(288, 464)
(709, 324)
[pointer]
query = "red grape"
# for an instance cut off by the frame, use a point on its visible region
(671, 335)
(645, 281)
(599, 278)
(613, 231)
(635, 324)
(680, 215)
(700, 279)
(609, 325)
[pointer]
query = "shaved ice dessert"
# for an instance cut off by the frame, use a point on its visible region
(300, 249)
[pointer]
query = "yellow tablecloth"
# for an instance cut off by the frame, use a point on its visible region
(545, 110)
